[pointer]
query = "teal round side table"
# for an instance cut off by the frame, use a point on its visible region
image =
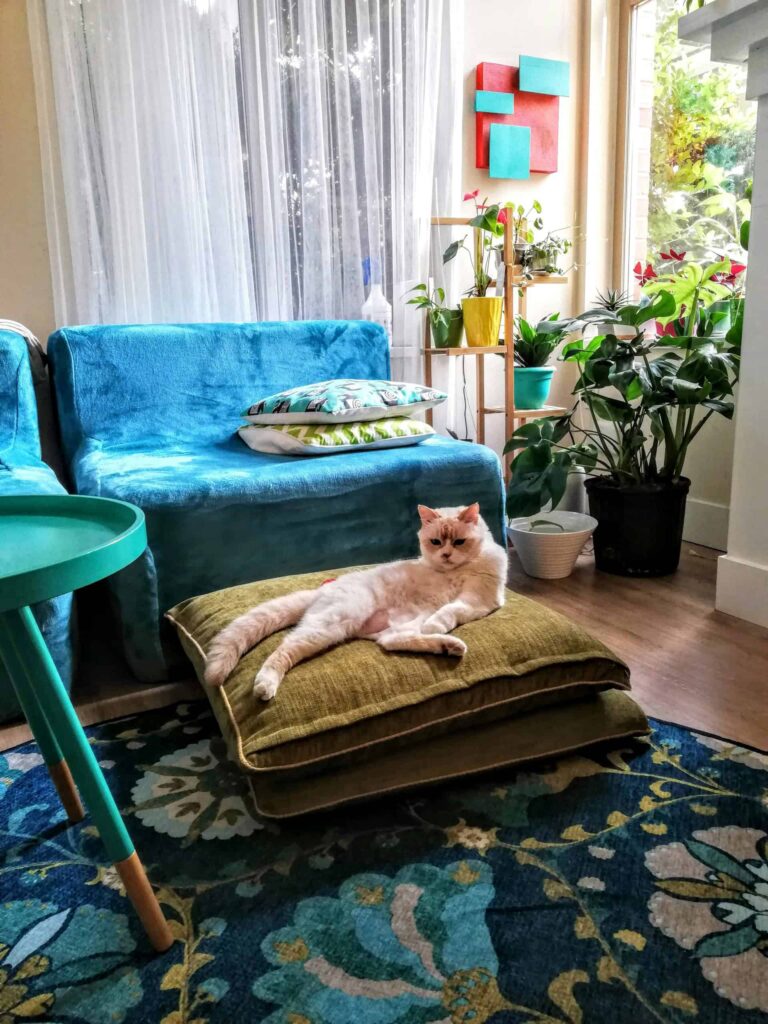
(51, 545)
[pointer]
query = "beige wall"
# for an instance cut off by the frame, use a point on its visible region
(581, 191)
(25, 275)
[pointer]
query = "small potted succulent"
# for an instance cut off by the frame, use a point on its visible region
(482, 312)
(445, 324)
(534, 344)
(640, 403)
(602, 316)
(546, 256)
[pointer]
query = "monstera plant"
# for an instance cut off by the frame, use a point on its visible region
(641, 400)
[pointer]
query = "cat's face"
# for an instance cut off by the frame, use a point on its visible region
(450, 537)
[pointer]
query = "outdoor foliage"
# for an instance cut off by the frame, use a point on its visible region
(702, 152)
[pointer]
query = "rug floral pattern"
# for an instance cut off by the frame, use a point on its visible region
(625, 886)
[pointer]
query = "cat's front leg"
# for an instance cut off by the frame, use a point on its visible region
(443, 620)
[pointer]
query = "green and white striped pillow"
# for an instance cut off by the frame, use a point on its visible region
(334, 438)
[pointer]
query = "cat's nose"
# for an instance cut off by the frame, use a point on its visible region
(445, 555)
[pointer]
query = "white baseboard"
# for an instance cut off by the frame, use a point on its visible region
(742, 589)
(706, 523)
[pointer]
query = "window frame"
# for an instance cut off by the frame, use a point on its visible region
(622, 184)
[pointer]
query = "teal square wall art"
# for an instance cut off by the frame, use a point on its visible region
(510, 151)
(547, 77)
(487, 102)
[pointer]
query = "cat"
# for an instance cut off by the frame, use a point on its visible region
(410, 605)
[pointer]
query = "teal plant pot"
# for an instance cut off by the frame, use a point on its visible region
(532, 384)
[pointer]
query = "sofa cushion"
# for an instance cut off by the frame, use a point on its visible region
(344, 401)
(357, 702)
(334, 438)
(121, 384)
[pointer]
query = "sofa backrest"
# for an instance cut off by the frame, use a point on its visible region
(18, 408)
(189, 383)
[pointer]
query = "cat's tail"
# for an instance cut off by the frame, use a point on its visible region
(243, 633)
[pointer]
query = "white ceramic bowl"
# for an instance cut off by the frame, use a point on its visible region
(547, 552)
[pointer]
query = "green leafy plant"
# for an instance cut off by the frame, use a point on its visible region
(611, 300)
(702, 147)
(693, 288)
(433, 302)
(534, 344)
(524, 222)
(490, 222)
(546, 256)
(640, 403)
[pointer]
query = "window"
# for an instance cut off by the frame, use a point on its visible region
(690, 145)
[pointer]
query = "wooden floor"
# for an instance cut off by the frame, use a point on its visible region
(689, 664)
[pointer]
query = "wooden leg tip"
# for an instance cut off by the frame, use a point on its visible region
(61, 778)
(140, 893)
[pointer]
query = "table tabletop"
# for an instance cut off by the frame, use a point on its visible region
(53, 544)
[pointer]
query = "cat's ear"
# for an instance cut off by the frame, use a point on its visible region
(470, 514)
(427, 514)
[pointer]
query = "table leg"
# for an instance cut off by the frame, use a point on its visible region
(35, 676)
(58, 769)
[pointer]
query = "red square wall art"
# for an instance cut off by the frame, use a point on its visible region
(538, 111)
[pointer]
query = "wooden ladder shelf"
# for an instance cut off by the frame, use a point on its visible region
(515, 287)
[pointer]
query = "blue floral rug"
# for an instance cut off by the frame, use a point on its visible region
(628, 886)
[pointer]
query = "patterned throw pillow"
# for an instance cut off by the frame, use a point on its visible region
(344, 401)
(332, 438)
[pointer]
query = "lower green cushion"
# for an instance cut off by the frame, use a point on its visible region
(356, 703)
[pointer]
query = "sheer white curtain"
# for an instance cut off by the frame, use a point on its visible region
(245, 159)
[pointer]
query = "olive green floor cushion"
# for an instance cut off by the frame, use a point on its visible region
(358, 721)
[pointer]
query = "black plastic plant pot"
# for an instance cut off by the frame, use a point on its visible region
(639, 527)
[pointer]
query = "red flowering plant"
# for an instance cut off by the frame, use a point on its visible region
(640, 398)
(696, 290)
(643, 274)
(490, 222)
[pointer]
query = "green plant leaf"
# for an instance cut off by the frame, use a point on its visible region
(451, 251)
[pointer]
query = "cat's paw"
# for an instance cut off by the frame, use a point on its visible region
(434, 624)
(265, 684)
(455, 647)
(219, 666)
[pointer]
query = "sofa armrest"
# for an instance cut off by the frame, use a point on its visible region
(18, 407)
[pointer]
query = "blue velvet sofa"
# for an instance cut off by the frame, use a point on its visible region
(22, 471)
(149, 414)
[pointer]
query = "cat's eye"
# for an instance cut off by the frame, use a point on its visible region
(457, 543)
(436, 542)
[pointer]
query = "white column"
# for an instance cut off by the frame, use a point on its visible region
(737, 31)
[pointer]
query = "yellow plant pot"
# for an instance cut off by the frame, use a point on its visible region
(482, 320)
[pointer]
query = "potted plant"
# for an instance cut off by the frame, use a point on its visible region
(482, 312)
(549, 544)
(523, 223)
(533, 347)
(445, 325)
(640, 403)
(546, 256)
(602, 317)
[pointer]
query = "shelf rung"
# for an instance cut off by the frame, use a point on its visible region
(532, 414)
(468, 350)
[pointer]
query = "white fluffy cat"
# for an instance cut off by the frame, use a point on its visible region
(410, 605)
